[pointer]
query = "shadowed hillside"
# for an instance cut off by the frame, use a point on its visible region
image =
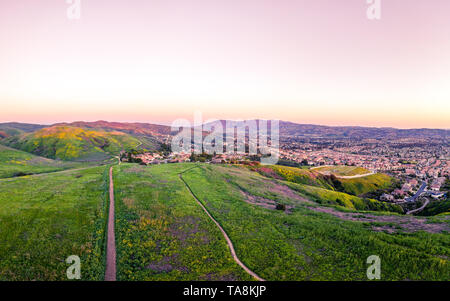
(16, 128)
(15, 163)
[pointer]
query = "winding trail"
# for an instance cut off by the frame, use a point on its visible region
(356, 176)
(419, 209)
(230, 244)
(110, 273)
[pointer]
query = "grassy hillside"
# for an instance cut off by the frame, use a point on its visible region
(73, 144)
(341, 170)
(330, 197)
(436, 207)
(354, 186)
(304, 244)
(363, 185)
(44, 219)
(293, 178)
(164, 235)
(15, 163)
(294, 174)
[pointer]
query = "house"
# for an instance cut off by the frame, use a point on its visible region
(399, 192)
(437, 195)
(387, 197)
(406, 187)
(435, 186)
(413, 182)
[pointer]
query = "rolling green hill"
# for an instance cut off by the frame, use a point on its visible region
(320, 189)
(341, 170)
(15, 163)
(163, 234)
(294, 174)
(72, 143)
(355, 186)
(363, 185)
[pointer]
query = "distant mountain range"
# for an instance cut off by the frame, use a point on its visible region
(287, 129)
(16, 128)
(101, 140)
(290, 129)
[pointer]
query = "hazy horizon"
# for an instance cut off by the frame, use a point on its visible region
(206, 121)
(312, 62)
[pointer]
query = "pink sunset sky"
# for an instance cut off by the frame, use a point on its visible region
(315, 61)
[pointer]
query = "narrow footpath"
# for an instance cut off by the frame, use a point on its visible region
(230, 244)
(110, 273)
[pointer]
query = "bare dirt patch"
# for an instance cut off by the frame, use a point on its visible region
(260, 201)
(160, 267)
(268, 172)
(263, 202)
(186, 228)
(284, 190)
(166, 265)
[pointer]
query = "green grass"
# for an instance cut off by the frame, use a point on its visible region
(313, 177)
(342, 170)
(329, 197)
(308, 245)
(359, 186)
(162, 233)
(46, 218)
(436, 207)
(18, 163)
(73, 144)
(295, 175)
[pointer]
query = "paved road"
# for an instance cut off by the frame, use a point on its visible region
(230, 244)
(418, 193)
(110, 274)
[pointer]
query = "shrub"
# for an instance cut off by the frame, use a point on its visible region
(281, 207)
